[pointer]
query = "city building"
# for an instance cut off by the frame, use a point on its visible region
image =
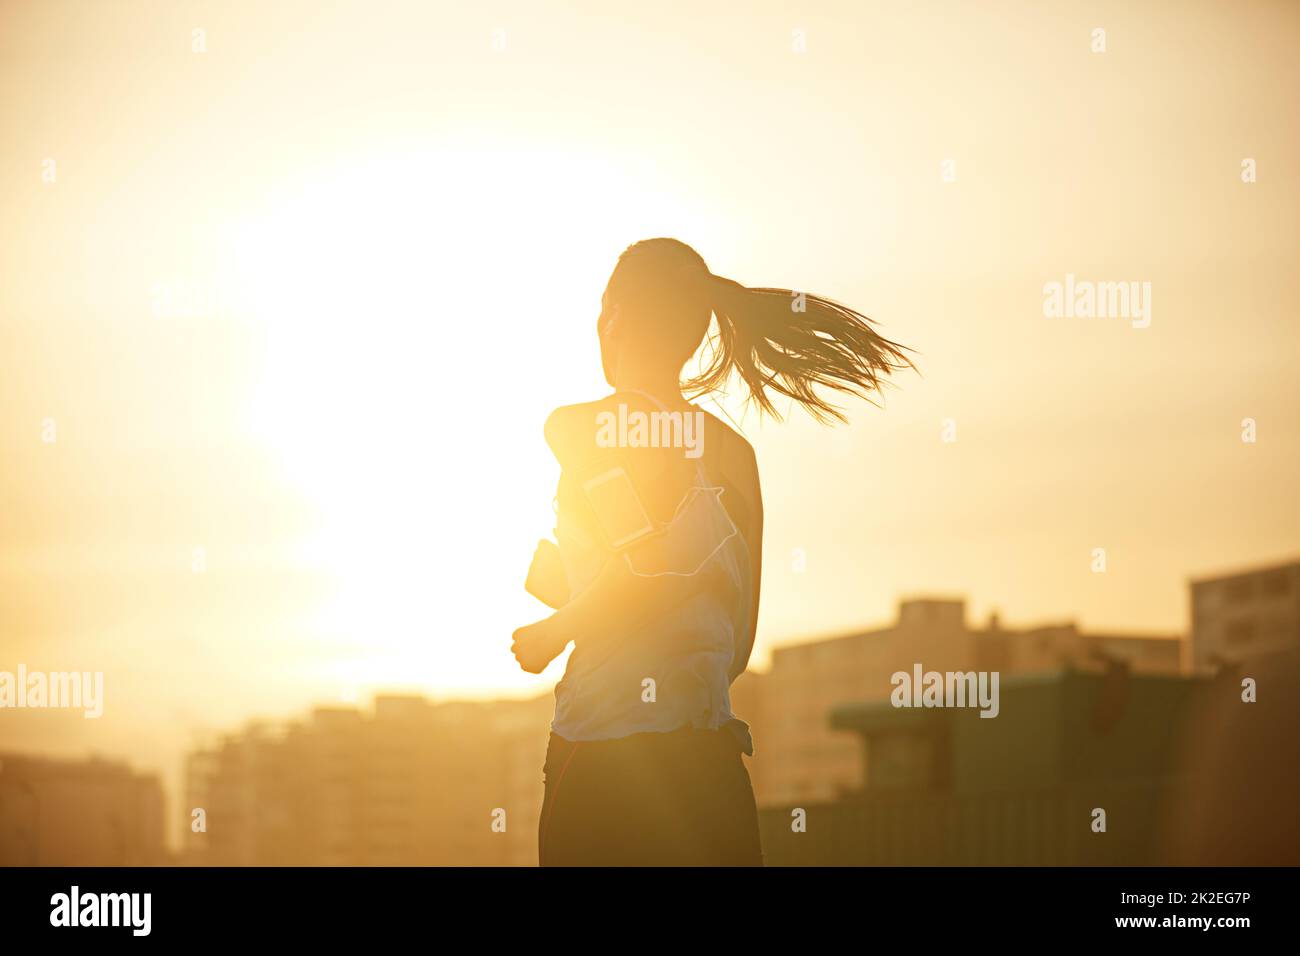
(1248, 614)
(800, 756)
(410, 783)
(1078, 768)
(78, 813)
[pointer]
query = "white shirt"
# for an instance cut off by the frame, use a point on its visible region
(674, 670)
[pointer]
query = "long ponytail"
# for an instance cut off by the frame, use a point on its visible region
(794, 343)
(789, 342)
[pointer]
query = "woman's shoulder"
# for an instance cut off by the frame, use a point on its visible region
(735, 448)
(571, 430)
(563, 421)
(586, 426)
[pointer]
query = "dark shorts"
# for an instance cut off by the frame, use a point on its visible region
(675, 799)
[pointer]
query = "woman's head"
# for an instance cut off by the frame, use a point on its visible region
(656, 312)
(656, 309)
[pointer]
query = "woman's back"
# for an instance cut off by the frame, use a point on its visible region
(663, 471)
(673, 668)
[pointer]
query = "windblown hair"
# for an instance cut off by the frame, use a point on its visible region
(775, 340)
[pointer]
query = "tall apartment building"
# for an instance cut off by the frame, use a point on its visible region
(78, 813)
(410, 783)
(798, 756)
(1244, 615)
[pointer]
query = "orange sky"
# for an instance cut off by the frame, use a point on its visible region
(304, 299)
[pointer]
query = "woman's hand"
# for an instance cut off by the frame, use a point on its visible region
(536, 645)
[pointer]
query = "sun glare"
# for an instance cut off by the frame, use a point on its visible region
(402, 389)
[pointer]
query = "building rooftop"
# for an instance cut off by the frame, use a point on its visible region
(1289, 564)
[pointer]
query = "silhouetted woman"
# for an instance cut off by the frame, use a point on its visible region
(655, 577)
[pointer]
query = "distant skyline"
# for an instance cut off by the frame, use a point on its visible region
(285, 303)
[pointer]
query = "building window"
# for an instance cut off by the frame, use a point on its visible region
(1240, 589)
(1239, 632)
(1277, 584)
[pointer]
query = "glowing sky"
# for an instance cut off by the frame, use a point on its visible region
(303, 300)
